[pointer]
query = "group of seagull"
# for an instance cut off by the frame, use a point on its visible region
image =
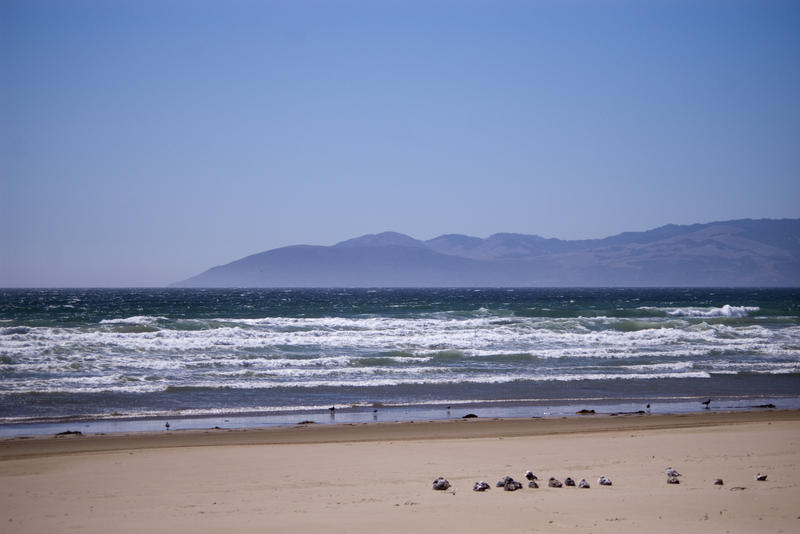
(509, 484)
(672, 477)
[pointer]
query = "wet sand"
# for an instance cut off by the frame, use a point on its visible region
(377, 477)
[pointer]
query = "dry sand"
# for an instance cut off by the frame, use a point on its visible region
(377, 477)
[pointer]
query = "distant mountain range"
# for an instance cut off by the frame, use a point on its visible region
(729, 253)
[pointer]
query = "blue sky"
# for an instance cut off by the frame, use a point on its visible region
(142, 142)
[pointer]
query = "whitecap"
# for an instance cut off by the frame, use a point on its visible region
(725, 311)
(138, 319)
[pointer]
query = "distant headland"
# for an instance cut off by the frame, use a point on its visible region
(737, 253)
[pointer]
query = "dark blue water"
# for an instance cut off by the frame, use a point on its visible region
(131, 358)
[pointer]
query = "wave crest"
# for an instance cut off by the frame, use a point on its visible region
(725, 311)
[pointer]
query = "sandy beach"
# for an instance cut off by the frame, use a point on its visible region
(377, 477)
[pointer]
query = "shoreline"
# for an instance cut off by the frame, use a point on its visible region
(300, 433)
(376, 477)
(369, 413)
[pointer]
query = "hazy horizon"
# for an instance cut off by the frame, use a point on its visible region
(145, 142)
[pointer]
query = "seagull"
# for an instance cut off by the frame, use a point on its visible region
(480, 486)
(761, 477)
(553, 483)
(672, 473)
(166, 425)
(506, 479)
(583, 484)
(530, 476)
(673, 480)
(706, 403)
(441, 484)
(604, 481)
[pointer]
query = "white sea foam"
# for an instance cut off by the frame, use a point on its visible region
(139, 320)
(421, 339)
(120, 385)
(725, 311)
(369, 350)
(673, 366)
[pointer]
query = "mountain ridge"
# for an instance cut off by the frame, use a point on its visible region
(742, 252)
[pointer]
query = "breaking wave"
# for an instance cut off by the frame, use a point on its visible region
(723, 311)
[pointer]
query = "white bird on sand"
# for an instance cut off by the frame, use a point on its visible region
(672, 473)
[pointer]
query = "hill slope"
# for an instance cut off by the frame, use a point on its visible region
(729, 253)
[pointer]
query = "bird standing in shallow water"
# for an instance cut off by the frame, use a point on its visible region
(706, 403)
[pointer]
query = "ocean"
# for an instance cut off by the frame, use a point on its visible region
(104, 360)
